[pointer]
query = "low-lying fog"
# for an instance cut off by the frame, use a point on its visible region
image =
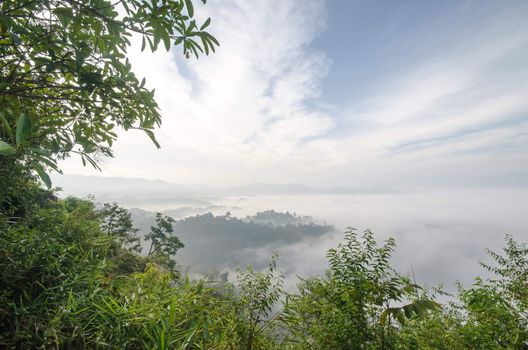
(441, 233)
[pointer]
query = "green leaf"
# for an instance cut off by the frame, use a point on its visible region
(49, 162)
(383, 317)
(166, 40)
(205, 45)
(213, 39)
(23, 129)
(152, 137)
(64, 14)
(399, 316)
(206, 24)
(42, 174)
(190, 8)
(6, 149)
(40, 151)
(408, 310)
(6, 126)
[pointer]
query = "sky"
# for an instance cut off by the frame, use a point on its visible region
(340, 93)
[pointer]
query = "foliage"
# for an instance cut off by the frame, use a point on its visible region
(62, 287)
(497, 309)
(259, 292)
(44, 257)
(66, 83)
(117, 222)
(19, 193)
(491, 314)
(163, 243)
(274, 218)
(350, 308)
(512, 274)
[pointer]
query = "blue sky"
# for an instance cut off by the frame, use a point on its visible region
(355, 93)
(370, 42)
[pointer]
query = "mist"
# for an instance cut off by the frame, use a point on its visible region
(441, 233)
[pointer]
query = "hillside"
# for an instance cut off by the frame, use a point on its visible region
(226, 242)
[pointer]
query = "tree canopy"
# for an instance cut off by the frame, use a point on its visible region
(66, 83)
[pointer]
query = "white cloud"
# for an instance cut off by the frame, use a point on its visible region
(246, 114)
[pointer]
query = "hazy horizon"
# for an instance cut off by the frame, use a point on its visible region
(441, 234)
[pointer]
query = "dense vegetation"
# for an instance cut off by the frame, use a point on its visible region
(66, 83)
(71, 278)
(71, 275)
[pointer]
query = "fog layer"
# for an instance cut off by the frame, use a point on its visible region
(441, 233)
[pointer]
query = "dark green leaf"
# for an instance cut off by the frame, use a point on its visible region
(42, 174)
(40, 151)
(213, 39)
(6, 149)
(23, 129)
(206, 24)
(166, 40)
(6, 127)
(65, 15)
(152, 137)
(190, 8)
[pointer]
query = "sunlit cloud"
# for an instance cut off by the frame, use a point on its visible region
(256, 106)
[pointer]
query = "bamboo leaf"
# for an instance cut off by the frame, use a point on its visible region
(190, 8)
(206, 24)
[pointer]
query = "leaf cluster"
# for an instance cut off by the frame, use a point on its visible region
(163, 243)
(66, 83)
(352, 306)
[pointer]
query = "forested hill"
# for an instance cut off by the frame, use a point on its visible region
(273, 217)
(225, 241)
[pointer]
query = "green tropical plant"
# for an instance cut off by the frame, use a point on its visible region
(259, 293)
(66, 83)
(163, 243)
(61, 287)
(350, 308)
(490, 314)
(117, 222)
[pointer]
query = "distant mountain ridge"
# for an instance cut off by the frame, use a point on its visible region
(81, 185)
(298, 189)
(138, 189)
(97, 185)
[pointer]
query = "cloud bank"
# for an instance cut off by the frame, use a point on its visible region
(256, 110)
